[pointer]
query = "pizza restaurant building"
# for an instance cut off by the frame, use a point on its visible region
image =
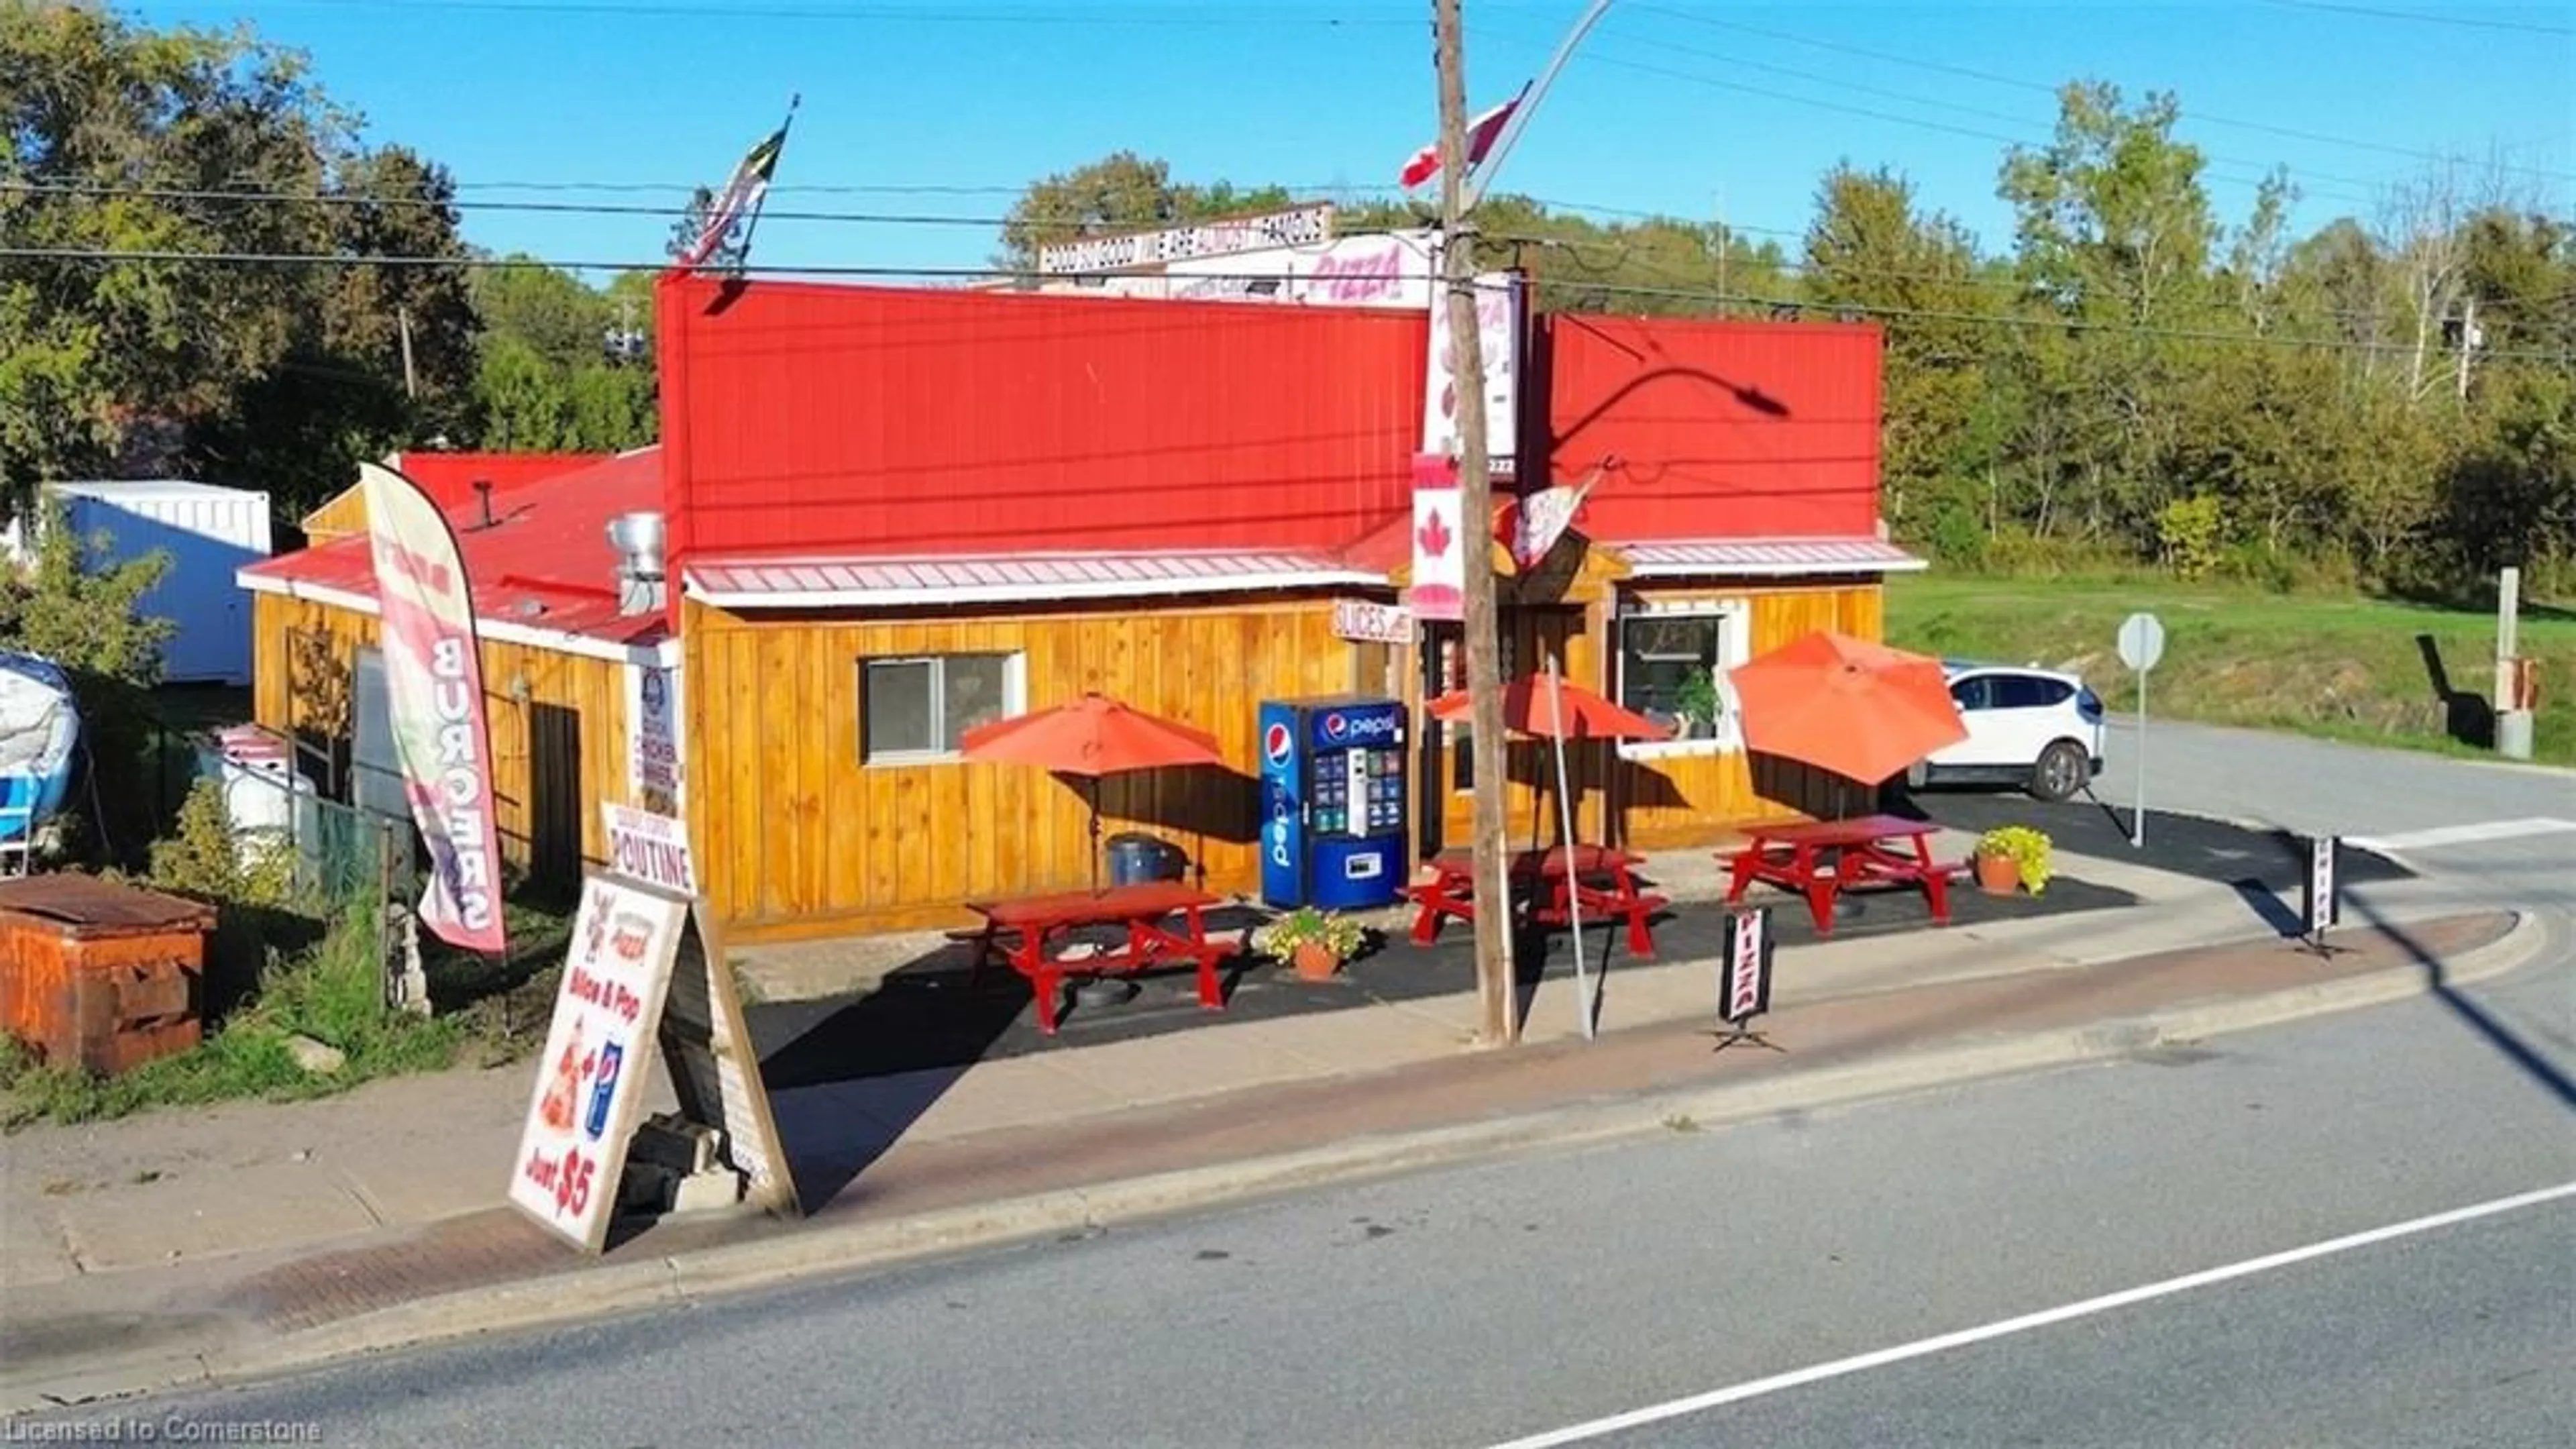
(890, 515)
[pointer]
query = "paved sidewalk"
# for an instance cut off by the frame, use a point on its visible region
(146, 1193)
(1889, 1024)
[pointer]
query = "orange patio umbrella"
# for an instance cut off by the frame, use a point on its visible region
(1856, 708)
(1091, 737)
(1550, 708)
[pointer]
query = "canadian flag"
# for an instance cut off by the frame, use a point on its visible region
(1480, 139)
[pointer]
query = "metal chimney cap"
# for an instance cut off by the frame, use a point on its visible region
(636, 533)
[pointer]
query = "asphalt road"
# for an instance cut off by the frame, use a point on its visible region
(2492, 831)
(1479, 1306)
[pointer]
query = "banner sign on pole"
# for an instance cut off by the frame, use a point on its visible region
(1441, 542)
(2321, 895)
(433, 663)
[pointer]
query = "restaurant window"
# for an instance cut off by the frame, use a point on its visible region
(1671, 667)
(917, 709)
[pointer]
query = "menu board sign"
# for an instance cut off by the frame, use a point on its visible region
(589, 1087)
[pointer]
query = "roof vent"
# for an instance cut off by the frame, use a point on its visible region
(637, 537)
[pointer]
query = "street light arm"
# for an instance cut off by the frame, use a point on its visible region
(1477, 180)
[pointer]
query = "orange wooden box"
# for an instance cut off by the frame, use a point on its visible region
(100, 976)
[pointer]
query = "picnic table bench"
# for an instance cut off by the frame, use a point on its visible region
(1598, 879)
(1024, 932)
(1872, 851)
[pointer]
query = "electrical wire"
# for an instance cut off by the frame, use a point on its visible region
(987, 274)
(2009, 118)
(2047, 88)
(1232, 13)
(2473, 22)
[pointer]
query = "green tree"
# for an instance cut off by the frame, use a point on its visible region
(128, 149)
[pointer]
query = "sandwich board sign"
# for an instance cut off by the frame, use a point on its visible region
(644, 968)
(1744, 977)
(2321, 894)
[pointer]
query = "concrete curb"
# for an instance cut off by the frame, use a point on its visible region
(860, 1247)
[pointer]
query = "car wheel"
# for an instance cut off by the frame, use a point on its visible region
(2059, 772)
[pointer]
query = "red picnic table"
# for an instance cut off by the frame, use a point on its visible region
(1874, 850)
(1024, 930)
(1451, 891)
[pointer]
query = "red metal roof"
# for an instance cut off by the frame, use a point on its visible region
(1718, 428)
(449, 478)
(809, 581)
(877, 422)
(544, 565)
(1770, 557)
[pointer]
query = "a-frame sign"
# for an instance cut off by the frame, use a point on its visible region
(644, 964)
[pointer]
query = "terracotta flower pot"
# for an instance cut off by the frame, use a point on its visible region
(1314, 961)
(1998, 875)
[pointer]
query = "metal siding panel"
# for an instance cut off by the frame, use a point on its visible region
(876, 420)
(1725, 428)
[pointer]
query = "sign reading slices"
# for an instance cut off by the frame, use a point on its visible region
(1364, 621)
(1439, 586)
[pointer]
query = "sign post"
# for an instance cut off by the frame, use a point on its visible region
(1744, 979)
(645, 965)
(2321, 895)
(2142, 643)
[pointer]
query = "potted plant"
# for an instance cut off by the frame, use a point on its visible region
(1315, 942)
(1697, 703)
(2013, 857)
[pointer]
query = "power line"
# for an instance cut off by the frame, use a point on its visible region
(1187, 13)
(2047, 88)
(986, 274)
(1890, 117)
(1844, 83)
(2473, 22)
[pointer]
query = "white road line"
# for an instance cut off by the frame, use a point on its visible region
(2460, 834)
(1719, 1398)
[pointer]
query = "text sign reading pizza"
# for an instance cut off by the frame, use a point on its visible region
(589, 1088)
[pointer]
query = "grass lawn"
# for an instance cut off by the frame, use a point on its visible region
(2343, 667)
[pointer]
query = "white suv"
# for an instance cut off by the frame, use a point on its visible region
(2036, 728)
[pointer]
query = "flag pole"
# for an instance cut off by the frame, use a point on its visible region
(1531, 96)
(742, 259)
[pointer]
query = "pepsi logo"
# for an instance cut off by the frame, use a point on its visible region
(1335, 726)
(1275, 744)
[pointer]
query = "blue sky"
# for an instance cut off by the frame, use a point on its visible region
(944, 110)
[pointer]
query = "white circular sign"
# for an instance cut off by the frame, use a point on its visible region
(2142, 642)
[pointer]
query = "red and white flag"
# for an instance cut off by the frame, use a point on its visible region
(1480, 139)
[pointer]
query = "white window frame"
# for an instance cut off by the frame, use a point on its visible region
(1734, 646)
(1015, 701)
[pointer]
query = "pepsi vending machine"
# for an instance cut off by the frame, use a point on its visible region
(1333, 831)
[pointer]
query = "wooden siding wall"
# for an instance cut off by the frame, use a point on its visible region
(544, 708)
(796, 837)
(1674, 801)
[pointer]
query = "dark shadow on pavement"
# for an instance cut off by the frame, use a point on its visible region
(2478, 1019)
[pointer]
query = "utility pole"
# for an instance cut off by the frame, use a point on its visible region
(411, 382)
(2468, 341)
(1494, 983)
